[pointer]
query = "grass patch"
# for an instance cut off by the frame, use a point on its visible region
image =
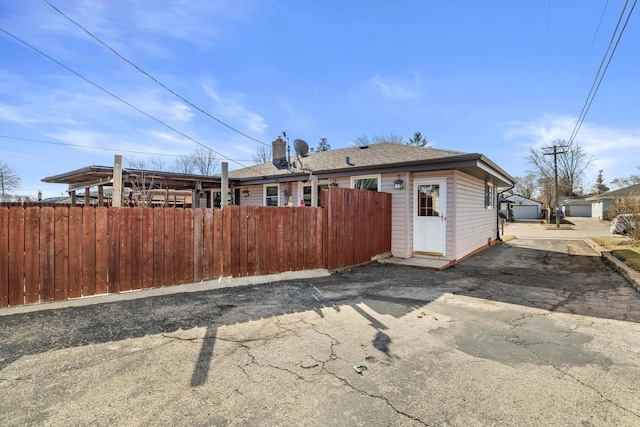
(507, 238)
(626, 250)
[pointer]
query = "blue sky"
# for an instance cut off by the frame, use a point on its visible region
(491, 77)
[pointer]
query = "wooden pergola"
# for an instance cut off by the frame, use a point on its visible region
(154, 185)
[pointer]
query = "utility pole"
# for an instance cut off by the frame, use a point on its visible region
(555, 153)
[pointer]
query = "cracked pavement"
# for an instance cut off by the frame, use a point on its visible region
(526, 333)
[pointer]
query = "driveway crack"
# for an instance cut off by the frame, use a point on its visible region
(602, 396)
(334, 356)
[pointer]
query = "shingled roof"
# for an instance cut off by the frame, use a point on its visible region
(383, 157)
(632, 190)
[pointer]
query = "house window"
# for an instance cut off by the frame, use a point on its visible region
(367, 182)
(271, 195)
(488, 199)
(305, 194)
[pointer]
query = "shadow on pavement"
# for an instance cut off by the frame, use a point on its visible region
(541, 279)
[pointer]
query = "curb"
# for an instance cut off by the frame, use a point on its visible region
(205, 285)
(624, 270)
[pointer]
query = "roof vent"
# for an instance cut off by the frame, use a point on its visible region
(347, 160)
(364, 147)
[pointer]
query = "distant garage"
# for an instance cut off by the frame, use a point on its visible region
(580, 210)
(524, 208)
(576, 207)
(525, 212)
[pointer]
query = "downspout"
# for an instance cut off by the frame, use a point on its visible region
(498, 211)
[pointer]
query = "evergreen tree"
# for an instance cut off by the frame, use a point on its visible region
(600, 187)
(323, 145)
(418, 140)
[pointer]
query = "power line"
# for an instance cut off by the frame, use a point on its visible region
(89, 147)
(153, 78)
(595, 35)
(600, 76)
(118, 98)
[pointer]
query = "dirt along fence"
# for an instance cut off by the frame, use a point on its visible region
(57, 253)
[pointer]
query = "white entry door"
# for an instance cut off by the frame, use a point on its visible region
(430, 216)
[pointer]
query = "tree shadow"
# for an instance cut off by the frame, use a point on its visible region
(542, 279)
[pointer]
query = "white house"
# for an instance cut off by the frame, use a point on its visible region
(602, 203)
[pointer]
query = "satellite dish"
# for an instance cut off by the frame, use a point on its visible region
(301, 147)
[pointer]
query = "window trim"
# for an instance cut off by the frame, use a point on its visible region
(489, 195)
(377, 176)
(264, 194)
(301, 186)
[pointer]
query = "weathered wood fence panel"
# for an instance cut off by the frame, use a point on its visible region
(49, 253)
(359, 226)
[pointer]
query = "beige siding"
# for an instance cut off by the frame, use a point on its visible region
(469, 224)
(475, 224)
(401, 217)
(256, 196)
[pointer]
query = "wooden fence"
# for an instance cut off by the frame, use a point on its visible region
(52, 254)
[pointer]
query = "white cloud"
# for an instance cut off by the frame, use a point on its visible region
(393, 89)
(615, 150)
(156, 104)
(402, 88)
(196, 22)
(29, 116)
(230, 109)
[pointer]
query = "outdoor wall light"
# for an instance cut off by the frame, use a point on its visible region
(333, 183)
(398, 184)
(245, 192)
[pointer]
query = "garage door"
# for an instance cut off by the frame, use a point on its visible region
(525, 212)
(582, 210)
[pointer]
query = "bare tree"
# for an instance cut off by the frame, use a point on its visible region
(263, 154)
(184, 164)
(9, 180)
(365, 139)
(572, 162)
(626, 182)
(143, 188)
(154, 164)
(205, 161)
(571, 166)
(418, 140)
(362, 140)
(525, 186)
(202, 161)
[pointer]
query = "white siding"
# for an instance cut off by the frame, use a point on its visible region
(597, 209)
(475, 225)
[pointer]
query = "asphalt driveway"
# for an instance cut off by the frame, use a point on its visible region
(534, 332)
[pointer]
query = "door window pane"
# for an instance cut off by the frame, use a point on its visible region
(428, 200)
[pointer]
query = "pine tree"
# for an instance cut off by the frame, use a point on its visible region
(323, 145)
